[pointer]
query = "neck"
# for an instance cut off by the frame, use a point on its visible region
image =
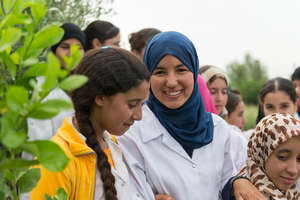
(97, 130)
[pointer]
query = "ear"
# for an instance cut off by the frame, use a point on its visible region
(96, 43)
(99, 100)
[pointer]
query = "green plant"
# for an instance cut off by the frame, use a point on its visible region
(22, 97)
(251, 114)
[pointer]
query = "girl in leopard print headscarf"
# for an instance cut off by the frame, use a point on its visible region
(270, 133)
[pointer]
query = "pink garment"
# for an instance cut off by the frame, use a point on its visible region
(206, 96)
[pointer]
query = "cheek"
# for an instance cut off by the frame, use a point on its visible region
(155, 83)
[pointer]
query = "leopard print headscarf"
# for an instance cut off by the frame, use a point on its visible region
(270, 132)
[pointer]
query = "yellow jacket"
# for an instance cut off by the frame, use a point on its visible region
(78, 178)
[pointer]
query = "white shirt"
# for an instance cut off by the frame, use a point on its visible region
(46, 129)
(238, 147)
(159, 165)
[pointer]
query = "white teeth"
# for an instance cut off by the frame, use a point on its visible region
(173, 93)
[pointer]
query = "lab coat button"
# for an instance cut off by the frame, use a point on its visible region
(194, 165)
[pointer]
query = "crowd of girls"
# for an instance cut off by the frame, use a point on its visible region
(152, 124)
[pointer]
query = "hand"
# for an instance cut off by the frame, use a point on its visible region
(163, 197)
(245, 190)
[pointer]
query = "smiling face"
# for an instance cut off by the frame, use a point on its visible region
(278, 102)
(283, 165)
(237, 117)
(172, 82)
(117, 113)
(219, 93)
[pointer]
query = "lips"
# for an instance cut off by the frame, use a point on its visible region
(128, 124)
(173, 94)
(288, 181)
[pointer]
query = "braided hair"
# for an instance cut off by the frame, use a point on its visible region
(109, 71)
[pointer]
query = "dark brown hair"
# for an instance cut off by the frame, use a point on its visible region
(109, 71)
(273, 85)
(138, 40)
(234, 98)
(102, 30)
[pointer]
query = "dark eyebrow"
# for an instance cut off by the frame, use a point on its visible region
(134, 100)
(179, 65)
(284, 151)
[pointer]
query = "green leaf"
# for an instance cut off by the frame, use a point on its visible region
(11, 137)
(51, 76)
(16, 98)
(46, 37)
(51, 108)
(12, 68)
(38, 69)
(72, 82)
(75, 57)
(47, 197)
(14, 19)
(17, 163)
(8, 5)
(38, 11)
(53, 62)
(61, 194)
(9, 37)
(50, 155)
(29, 180)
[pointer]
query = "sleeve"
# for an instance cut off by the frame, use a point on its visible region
(140, 188)
(238, 146)
(226, 193)
(229, 166)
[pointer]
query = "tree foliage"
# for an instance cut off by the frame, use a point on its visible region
(22, 97)
(248, 77)
(79, 12)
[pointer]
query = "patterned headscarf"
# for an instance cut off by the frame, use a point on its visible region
(270, 132)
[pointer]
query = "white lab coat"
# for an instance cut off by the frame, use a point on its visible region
(238, 147)
(46, 129)
(159, 165)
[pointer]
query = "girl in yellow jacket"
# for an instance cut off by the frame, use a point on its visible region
(109, 102)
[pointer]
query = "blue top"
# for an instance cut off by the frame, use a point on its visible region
(190, 124)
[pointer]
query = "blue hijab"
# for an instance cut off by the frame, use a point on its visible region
(190, 124)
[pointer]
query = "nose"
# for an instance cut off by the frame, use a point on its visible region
(293, 168)
(137, 114)
(171, 80)
(219, 96)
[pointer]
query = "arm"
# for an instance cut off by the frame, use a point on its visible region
(245, 190)
(139, 186)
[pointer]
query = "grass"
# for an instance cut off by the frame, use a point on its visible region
(251, 114)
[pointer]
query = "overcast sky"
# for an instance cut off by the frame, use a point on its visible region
(222, 30)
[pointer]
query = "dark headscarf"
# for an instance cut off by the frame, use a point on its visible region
(190, 124)
(70, 31)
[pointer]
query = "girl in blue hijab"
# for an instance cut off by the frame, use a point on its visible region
(189, 124)
(177, 150)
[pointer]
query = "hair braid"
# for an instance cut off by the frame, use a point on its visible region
(103, 165)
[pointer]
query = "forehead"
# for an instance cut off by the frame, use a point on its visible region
(218, 83)
(277, 97)
(296, 82)
(169, 61)
(292, 144)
